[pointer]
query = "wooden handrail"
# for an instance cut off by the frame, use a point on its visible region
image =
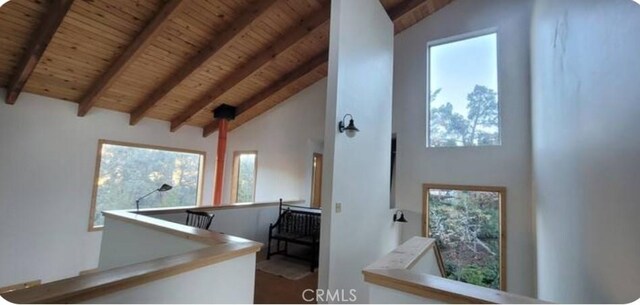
(187, 232)
(89, 286)
(405, 255)
(221, 247)
(174, 210)
(19, 286)
(393, 271)
(442, 289)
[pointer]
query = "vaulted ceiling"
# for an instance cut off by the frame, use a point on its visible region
(172, 60)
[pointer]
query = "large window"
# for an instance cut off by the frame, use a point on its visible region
(468, 225)
(126, 172)
(462, 97)
(243, 181)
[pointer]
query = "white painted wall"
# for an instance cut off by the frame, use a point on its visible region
(427, 263)
(286, 138)
(356, 170)
(124, 243)
(586, 149)
(507, 165)
(47, 163)
(228, 282)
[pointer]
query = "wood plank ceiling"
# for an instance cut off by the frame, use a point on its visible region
(172, 60)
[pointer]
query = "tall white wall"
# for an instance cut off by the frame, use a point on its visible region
(286, 138)
(125, 243)
(507, 165)
(356, 170)
(47, 163)
(586, 149)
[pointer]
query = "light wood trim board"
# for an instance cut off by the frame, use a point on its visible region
(89, 286)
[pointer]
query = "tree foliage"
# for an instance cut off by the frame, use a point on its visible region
(127, 173)
(246, 178)
(466, 225)
(479, 127)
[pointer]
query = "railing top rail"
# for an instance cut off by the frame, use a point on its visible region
(174, 210)
(393, 271)
(92, 285)
(221, 247)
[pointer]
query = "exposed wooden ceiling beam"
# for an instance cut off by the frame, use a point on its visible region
(133, 51)
(403, 8)
(56, 11)
(394, 13)
(221, 40)
(267, 56)
(408, 7)
(281, 83)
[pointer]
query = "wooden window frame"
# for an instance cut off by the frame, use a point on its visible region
(96, 177)
(314, 169)
(236, 168)
(502, 213)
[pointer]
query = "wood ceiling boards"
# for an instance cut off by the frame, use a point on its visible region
(173, 60)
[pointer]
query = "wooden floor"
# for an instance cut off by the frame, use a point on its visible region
(273, 289)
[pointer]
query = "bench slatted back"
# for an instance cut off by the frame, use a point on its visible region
(198, 219)
(299, 222)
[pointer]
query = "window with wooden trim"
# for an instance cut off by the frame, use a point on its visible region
(462, 94)
(243, 179)
(127, 171)
(469, 226)
(316, 181)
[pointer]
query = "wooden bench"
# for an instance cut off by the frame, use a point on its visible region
(296, 225)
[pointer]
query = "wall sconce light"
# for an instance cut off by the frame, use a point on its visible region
(350, 129)
(400, 218)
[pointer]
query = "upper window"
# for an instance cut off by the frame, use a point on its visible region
(126, 172)
(463, 93)
(243, 181)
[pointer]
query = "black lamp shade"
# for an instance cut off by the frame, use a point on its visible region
(399, 219)
(165, 187)
(402, 219)
(351, 127)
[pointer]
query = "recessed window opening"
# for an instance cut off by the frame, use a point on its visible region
(462, 101)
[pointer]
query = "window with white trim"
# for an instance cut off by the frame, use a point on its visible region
(462, 101)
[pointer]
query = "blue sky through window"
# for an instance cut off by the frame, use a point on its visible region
(457, 67)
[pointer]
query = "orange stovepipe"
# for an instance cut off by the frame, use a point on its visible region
(222, 149)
